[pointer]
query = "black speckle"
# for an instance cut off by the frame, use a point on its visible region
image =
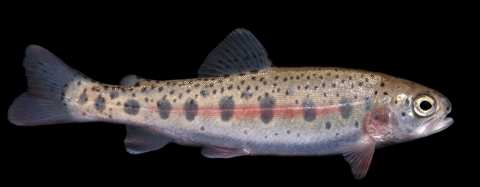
(84, 114)
(328, 125)
(309, 113)
(242, 82)
(79, 83)
(308, 77)
(323, 85)
(376, 92)
(164, 108)
(274, 84)
(321, 76)
(298, 77)
(196, 85)
(119, 103)
(360, 84)
(99, 103)
(264, 82)
(144, 89)
(227, 107)
(214, 91)
(230, 87)
(191, 109)
(325, 94)
(333, 85)
(188, 90)
(403, 114)
(256, 87)
(356, 124)
(288, 132)
(137, 84)
(266, 109)
(261, 79)
(131, 107)
(407, 101)
(133, 94)
(110, 116)
(275, 78)
(385, 93)
(211, 85)
(202, 128)
(146, 99)
(172, 92)
(306, 87)
(349, 77)
(338, 95)
(114, 94)
(285, 79)
(204, 93)
(222, 89)
(160, 89)
(337, 76)
(254, 78)
(382, 84)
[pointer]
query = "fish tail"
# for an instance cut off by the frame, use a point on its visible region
(43, 102)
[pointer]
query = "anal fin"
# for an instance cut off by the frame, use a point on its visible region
(219, 152)
(140, 140)
(359, 155)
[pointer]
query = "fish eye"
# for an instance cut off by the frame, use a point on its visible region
(424, 105)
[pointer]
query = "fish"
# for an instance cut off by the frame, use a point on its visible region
(239, 105)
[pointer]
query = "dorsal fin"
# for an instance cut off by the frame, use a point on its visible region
(239, 52)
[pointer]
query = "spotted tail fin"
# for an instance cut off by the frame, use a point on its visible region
(47, 78)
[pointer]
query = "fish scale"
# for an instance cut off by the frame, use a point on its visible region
(240, 105)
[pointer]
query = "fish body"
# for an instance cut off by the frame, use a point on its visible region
(240, 105)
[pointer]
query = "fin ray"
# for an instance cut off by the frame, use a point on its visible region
(359, 155)
(141, 140)
(239, 52)
(47, 77)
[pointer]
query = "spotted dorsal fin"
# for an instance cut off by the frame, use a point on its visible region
(240, 52)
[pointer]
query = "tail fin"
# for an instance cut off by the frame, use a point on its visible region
(47, 78)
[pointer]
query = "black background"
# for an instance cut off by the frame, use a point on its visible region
(425, 45)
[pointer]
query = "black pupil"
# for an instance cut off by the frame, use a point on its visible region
(425, 105)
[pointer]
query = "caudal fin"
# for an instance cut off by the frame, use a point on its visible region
(47, 78)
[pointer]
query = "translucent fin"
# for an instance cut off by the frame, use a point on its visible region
(133, 80)
(130, 80)
(218, 152)
(359, 155)
(47, 78)
(239, 52)
(141, 140)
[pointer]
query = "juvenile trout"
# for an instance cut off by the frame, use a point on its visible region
(240, 105)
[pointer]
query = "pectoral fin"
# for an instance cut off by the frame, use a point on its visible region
(359, 155)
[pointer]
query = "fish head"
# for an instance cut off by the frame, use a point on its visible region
(415, 111)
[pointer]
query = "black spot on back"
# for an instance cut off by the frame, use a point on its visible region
(227, 107)
(309, 110)
(131, 107)
(114, 94)
(164, 108)
(204, 93)
(191, 109)
(266, 109)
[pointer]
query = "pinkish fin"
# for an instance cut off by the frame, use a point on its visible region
(141, 140)
(240, 52)
(44, 102)
(359, 155)
(218, 152)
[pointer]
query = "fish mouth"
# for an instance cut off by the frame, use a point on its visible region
(435, 125)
